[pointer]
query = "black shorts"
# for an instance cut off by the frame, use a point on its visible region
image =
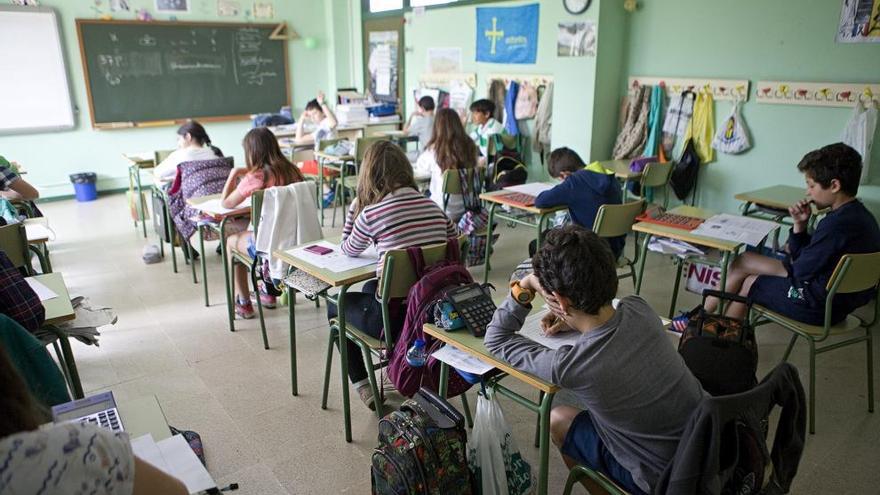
(778, 295)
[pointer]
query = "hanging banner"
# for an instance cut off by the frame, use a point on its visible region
(507, 35)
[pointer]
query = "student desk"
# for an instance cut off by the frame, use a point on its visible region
(494, 199)
(138, 162)
(727, 248)
(622, 173)
(339, 163)
(474, 346)
(58, 310)
(773, 197)
(144, 415)
(38, 237)
(220, 228)
(342, 281)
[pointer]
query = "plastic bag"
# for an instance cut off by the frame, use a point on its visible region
(493, 456)
(732, 137)
(859, 134)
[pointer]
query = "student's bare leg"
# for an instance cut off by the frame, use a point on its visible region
(239, 242)
(746, 265)
(561, 418)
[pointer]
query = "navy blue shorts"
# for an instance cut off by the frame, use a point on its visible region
(777, 294)
(583, 444)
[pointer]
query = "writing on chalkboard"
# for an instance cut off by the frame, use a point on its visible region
(250, 64)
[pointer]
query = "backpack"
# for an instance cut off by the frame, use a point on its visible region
(422, 450)
(433, 283)
(475, 218)
(685, 171)
(507, 171)
(719, 350)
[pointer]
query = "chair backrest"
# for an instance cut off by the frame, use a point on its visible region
(398, 273)
(452, 181)
(326, 143)
(617, 220)
(361, 145)
(656, 174)
(13, 241)
(855, 273)
(160, 155)
(256, 209)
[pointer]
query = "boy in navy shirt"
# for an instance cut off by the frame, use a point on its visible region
(583, 191)
(795, 287)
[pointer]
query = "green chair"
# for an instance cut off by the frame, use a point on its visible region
(398, 277)
(617, 220)
(319, 177)
(598, 482)
(853, 273)
(245, 259)
(656, 176)
(452, 182)
(349, 182)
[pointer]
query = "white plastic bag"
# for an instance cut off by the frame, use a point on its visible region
(859, 134)
(732, 137)
(493, 456)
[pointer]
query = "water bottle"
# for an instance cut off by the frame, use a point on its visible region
(416, 356)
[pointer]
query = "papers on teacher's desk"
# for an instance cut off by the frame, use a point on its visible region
(736, 228)
(336, 261)
(175, 457)
(214, 206)
(531, 188)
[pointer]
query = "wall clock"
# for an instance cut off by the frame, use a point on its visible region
(576, 7)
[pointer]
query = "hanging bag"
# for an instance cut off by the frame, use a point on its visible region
(684, 173)
(733, 136)
(677, 119)
(493, 457)
(634, 133)
(702, 127)
(859, 134)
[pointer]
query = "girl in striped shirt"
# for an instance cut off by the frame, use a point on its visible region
(390, 213)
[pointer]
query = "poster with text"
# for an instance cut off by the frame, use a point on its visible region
(507, 35)
(859, 22)
(172, 6)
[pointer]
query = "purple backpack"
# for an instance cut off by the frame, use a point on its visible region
(433, 283)
(638, 164)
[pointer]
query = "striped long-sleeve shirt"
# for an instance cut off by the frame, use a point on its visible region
(402, 219)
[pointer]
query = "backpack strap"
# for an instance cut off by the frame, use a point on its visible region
(417, 259)
(453, 251)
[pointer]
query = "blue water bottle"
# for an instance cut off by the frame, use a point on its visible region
(416, 356)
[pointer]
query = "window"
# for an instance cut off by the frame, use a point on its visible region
(385, 5)
(422, 3)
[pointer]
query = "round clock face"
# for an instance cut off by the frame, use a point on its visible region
(576, 6)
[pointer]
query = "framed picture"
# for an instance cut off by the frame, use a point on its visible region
(172, 5)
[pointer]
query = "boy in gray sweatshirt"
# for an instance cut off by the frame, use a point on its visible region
(638, 392)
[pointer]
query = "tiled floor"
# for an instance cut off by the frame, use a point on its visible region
(237, 395)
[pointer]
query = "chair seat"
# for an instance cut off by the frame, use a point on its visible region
(850, 324)
(354, 332)
(350, 182)
(244, 257)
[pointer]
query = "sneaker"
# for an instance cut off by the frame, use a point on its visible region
(329, 196)
(244, 309)
(366, 396)
(680, 323)
(268, 301)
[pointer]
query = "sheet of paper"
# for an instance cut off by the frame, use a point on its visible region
(444, 60)
(461, 360)
(736, 228)
(532, 188)
(459, 95)
(145, 447)
(213, 206)
(184, 464)
(335, 261)
(43, 292)
(35, 231)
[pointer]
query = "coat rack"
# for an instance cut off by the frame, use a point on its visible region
(816, 94)
(721, 89)
(535, 80)
(444, 79)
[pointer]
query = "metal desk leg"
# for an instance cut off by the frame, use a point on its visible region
(544, 449)
(131, 189)
(203, 262)
(444, 379)
(490, 227)
(679, 264)
(343, 360)
(291, 305)
(172, 235)
(642, 255)
(140, 199)
(725, 258)
(542, 222)
(75, 383)
(230, 298)
(321, 188)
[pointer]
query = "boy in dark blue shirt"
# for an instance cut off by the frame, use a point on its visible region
(795, 287)
(582, 191)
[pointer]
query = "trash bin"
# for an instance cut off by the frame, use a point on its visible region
(84, 186)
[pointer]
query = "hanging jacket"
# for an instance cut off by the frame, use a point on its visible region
(702, 127)
(631, 140)
(526, 102)
(33, 362)
(510, 125)
(655, 122)
(288, 218)
(195, 179)
(706, 454)
(859, 134)
(497, 91)
(541, 136)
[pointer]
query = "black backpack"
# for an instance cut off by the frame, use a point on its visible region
(720, 351)
(422, 450)
(685, 171)
(507, 171)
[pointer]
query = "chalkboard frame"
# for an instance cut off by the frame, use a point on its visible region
(170, 122)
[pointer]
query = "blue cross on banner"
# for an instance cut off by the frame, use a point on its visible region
(507, 35)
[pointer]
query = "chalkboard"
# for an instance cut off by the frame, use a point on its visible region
(143, 73)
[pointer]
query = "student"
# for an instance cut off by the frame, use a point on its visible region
(69, 457)
(17, 300)
(637, 391)
(193, 144)
(582, 190)
(795, 286)
(266, 167)
(450, 148)
(486, 125)
(319, 114)
(390, 213)
(421, 122)
(12, 186)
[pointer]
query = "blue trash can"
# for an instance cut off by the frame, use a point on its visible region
(84, 186)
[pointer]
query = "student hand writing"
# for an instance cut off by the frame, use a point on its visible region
(800, 214)
(552, 324)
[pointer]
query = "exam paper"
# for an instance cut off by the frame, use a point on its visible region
(532, 188)
(43, 292)
(213, 206)
(461, 360)
(336, 261)
(175, 457)
(736, 228)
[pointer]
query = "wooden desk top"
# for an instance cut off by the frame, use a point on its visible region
(140, 160)
(686, 235)
(779, 197)
(335, 279)
(58, 309)
(195, 202)
(620, 168)
(495, 197)
(144, 415)
(474, 346)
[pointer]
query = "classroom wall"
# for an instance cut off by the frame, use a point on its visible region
(50, 157)
(575, 77)
(757, 40)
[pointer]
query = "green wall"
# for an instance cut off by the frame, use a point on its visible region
(574, 77)
(50, 157)
(757, 40)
